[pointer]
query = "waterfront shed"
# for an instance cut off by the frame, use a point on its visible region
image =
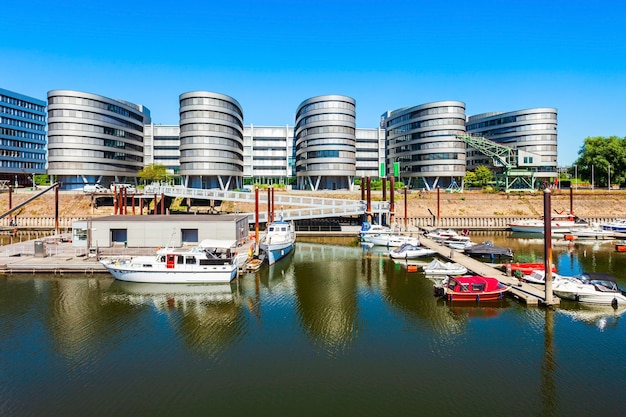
(159, 230)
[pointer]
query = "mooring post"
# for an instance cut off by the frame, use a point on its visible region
(256, 220)
(547, 244)
(438, 206)
(571, 200)
(369, 199)
(392, 187)
(406, 214)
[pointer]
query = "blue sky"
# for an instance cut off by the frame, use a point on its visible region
(271, 55)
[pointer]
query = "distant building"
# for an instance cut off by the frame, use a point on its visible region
(22, 138)
(532, 130)
(211, 140)
(325, 141)
(422, 140)
(93, 139)
(162, 147)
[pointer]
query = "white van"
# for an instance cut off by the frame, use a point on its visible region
(94, 188)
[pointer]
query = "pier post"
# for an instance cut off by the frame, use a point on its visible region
(406, 213)
(384, 215)
(369, 199)
(438, 206)
(547, 243)
(571, 200)
(56, 210)
(256, 221)
(392, 188)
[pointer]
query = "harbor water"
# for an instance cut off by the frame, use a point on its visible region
(330, 330)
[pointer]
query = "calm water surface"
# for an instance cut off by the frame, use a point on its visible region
(331, 330)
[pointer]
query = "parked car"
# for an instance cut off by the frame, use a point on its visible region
(94, 188)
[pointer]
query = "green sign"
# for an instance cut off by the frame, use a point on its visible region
(382, 173)
(396, 169)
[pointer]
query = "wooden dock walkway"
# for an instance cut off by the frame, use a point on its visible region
(527, 293)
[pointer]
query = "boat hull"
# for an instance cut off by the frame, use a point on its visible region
(210, 274)
(274, 253)
(412, 254)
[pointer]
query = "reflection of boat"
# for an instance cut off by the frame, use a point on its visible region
(368, 230)
(488, 251)
(211, 261)
(526, 268)
(561, 223)
(279, 240)
(393, 240)
(471, 288)
(168, 294)
(601, 316)
(436, 267)
(409, 251)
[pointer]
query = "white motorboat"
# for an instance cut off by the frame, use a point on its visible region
(458, 245)
(617, 225)
(561, 223)
(368, 230)
(447, 235)
(436, 267)
(538, 276)
(213, 261)
(279, 240)
(393, 240)
(591, 232)
(592, 288)
(409, 251)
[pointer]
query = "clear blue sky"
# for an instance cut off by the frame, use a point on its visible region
(271, 55)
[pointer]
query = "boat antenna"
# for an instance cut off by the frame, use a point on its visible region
(171, 238)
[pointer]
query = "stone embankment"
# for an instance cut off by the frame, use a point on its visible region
(587, 204)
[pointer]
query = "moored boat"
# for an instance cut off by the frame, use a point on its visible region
(279, 240)
(437, 267)
(526, 268)
(212, 261)
(561, 223)
(617, 225)
(368, 230)
(393, 240)
(471, 288)
(410, 251)
(592, 288)
(488, 251)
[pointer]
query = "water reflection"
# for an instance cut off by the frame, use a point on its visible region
(206, 317)
(602, 317)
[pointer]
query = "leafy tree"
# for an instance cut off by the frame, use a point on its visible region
(153, 172)
(470, 179)
(601, 152)
(483, 175)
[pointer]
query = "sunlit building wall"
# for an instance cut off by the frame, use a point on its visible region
(22, 138)
(211, 140)
(94, 139)
(422, 140)
(532, 130)
(325, 143)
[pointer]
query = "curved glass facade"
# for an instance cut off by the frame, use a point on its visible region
(531, 130)
(94, 139)
(325, 142)
(422, 139)
(211, 140)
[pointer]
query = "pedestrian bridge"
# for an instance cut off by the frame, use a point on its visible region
(289, 207)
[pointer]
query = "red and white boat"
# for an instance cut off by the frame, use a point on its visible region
(471, 288)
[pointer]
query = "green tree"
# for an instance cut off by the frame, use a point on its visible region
(483, 175)
(470, 179)
(153, 172)
(601, 153)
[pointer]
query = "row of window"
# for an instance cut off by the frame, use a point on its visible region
(328, 129)
(330, 104)
(210, 127)
(85, 115)
(426, 112)
(514, 129)
(88, 102)
(511, 119)
(430, 134)
(188, 141)
(9, 111)
(82, 153)
(12, 153)
(210, 154)
(326, 168)
(210, 115)
(22, 124)
(324, 142)
(6, 131)
(10, 143)
(22, 103)
(214, 166)
(328, 117)
(426, 123)
(22, 165)
(210, 101)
